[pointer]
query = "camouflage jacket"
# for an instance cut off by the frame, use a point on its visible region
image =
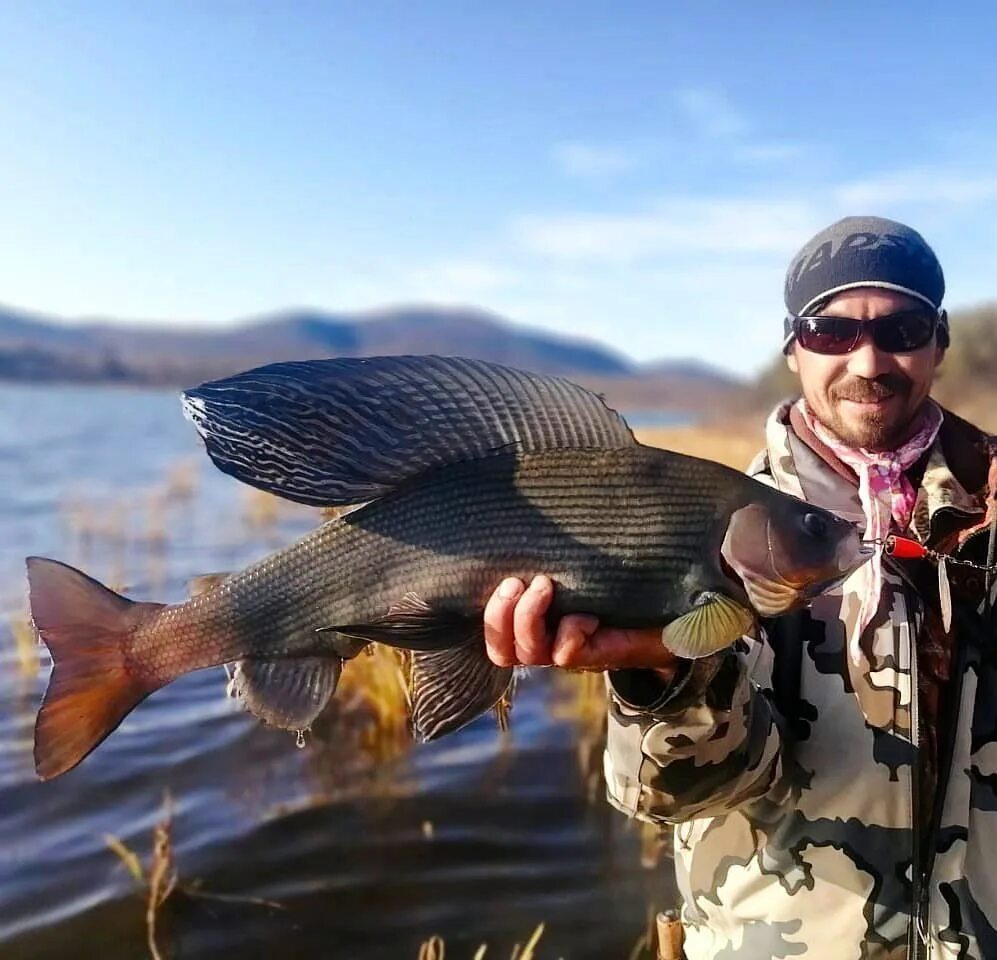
(791, 774)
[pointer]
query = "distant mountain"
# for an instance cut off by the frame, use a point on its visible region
(692, 368)
(41, 349)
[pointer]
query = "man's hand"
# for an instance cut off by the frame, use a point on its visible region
(516, 633)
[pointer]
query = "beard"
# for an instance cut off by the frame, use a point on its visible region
(880, 427)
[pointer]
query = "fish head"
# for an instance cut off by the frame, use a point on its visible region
(786, 551)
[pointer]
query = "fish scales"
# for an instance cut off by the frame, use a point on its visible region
(585, 517)
(468, 473)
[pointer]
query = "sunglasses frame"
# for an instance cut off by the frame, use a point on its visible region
(872, 326)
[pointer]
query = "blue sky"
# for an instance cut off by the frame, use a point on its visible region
(638, 173)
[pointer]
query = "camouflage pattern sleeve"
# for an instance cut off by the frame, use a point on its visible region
(708, 743)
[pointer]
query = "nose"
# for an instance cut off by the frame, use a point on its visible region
(867, 360)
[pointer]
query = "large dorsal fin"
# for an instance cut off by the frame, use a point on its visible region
(342, 431)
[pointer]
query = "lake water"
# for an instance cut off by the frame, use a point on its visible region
(477, 838)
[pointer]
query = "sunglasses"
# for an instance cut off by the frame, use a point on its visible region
(900, 332)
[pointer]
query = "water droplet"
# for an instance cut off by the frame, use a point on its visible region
(300, 741)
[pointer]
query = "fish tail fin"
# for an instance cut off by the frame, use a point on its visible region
(87, 628)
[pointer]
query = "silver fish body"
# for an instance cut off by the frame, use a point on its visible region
(534, 476)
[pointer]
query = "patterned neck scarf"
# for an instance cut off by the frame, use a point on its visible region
(886, 495)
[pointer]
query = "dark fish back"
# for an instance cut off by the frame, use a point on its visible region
(627, 534)
(630, 535)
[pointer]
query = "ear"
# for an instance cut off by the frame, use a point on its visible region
(791, 361)
(941, 337)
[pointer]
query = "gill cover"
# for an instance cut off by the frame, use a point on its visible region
(787, 553)
(748, 549)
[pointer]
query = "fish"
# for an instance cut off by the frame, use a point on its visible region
(457, 474)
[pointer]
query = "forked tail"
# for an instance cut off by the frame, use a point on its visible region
(86, 628)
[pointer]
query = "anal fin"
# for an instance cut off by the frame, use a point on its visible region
(451, 681)
(287, 693)
(714, 623)
(450, 688)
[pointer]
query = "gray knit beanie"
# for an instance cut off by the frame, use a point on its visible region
(863, 252)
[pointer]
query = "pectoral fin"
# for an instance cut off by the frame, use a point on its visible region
(287, 693)
(716, 622)
(450, 688)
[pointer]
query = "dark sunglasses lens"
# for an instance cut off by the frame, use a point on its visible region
(905, 332)
(827, 334)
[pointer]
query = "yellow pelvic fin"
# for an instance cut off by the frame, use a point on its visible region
(716, 622)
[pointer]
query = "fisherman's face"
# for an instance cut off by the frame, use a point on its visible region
(868, 398)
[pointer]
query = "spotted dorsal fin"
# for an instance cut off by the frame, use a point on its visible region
(343, 431)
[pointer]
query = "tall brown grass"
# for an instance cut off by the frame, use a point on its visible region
(159, 879)
(435, 949)
(25, 643)
(734, 444)
(377, 680)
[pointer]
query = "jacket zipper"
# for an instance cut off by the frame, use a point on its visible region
(919, 915)
(921, 872)
(946, 751)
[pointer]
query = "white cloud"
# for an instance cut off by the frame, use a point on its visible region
(697, 275)
(675, 226)
(772, 151)
(713, 117)
(587, 160)
(460, 279)
(917, 186)
(711, 112)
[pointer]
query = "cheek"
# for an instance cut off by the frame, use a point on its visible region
(919, 368)
(817, 373)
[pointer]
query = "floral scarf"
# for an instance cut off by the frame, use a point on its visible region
(886, 495)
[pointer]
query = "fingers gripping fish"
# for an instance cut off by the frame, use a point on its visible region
(467, 473)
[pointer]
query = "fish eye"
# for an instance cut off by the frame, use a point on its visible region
(815, 524)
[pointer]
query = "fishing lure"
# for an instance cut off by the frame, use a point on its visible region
(904, 548)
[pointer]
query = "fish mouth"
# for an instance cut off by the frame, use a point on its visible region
(866, 551)
(816, 589)
(854, 551)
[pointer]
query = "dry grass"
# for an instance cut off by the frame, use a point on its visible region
(435, 949)
(377, 680)
(260, 510)
(182, 480)
(734, 444)
(643, 949)
(581, 697)
(160, 880)
(25, 643)
(263, 512)
(980, 408)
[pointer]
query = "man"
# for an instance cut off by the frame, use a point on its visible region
(833, 783)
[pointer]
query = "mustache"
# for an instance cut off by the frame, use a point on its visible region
(861, 390)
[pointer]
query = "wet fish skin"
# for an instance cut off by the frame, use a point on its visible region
(629, 533)
(607, 526)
